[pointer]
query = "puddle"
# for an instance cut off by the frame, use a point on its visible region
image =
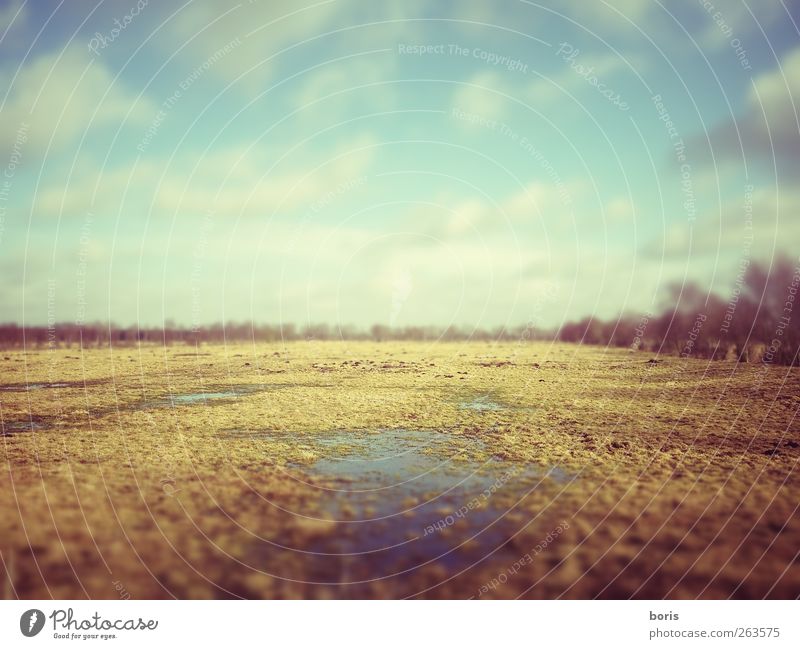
(49, 385)
(219, 393)
(24, 387)
(401, 499)
(204, 396)
(173, 400)
(485, 403)
(482, 404)
(13, 427)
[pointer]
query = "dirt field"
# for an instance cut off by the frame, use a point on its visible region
(336, 469)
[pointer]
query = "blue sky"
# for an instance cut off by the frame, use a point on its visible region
(469, 163)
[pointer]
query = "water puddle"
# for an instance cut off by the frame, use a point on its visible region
(9, 428)
(218, 393)
(173, 400)
(24, 387)
(397, 500)
(483, 403)
(50, 385)
(205, 396)
(487, 403)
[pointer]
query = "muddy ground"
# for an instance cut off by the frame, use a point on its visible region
(336, 469)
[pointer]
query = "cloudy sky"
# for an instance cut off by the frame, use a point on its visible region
(357, 162)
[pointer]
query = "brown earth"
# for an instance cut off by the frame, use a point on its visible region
(679, 478)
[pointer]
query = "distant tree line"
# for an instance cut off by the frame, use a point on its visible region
(757, 321)
(100, 334)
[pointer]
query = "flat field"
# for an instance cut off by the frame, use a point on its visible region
(389, 470)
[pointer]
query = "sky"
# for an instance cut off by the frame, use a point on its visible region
(401, 163)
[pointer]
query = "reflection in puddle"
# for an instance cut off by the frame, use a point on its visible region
(400, 499)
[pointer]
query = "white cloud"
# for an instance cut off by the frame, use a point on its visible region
(722, 236)
(61, 95)
(537, 204)
(484, 95)
(491, 94)
(606, 14)
(620, 210)
(778, 92)
(466, 217)
(769, 124)
(280, 24)
(731, 19)
(336, 82)
(195, 187)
